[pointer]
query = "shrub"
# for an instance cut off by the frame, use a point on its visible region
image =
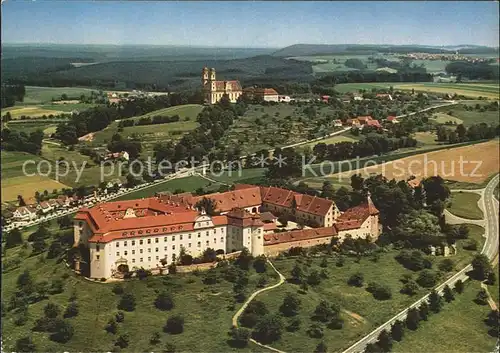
(427, 279)
(315, 330)
(240, 336)
(379, 291)
(111, 326)
(410, 288)
(117, 289)
(155, 338)
(174, 325)
(446, 265)
(71, 310)
(51, 310)
(481, 297)
(291, 304)
(120, 316)
(25, 345)
(122, 341)
(268, 329)
(127, 302)
(294, 324)
(356, 280)
(63, 332)
(164, 301)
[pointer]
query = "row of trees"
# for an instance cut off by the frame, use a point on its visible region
(157, 119)
(11, 93)
(461, 133)
(13, 140)
(473, 71)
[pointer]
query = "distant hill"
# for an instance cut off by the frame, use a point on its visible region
(331, 49)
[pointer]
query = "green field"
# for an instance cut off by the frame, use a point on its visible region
(331, 140)
(31, 126)
(36, 95)
(153, 134)
(441, 118)
(31, 111)
(355, 87)
(469, 117)
(459, 327)
(68, 108)
(245, 176)
(464, 204)
(361, 312)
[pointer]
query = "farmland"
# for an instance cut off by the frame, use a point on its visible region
(444, 162)
(38, 95)
(467, 117)
(31, 111)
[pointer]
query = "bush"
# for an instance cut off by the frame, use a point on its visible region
(174, 325)
(164, 301)
(294, 324)
(356, 280)
(71, 310)
(127, 302)
(122, 341)
(51, 310)
(315, 330)
(120, 316)
(111, 326)
(481, 297)
(379, 291)
(268, 329)
(260, 264)
(291, 304)
(446, 265)
(240, 336)
(25, 345)
(427, 279)
(117, 289)
(410, 288)
(63, 332)
(155, 338)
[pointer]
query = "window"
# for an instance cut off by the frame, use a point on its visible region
(125, 243)
(165, 248)
(97, 248)
(117, 244)
(157, 258)
(156, 250)
(207, 242)
(180, 237)
(173, 247)
(189, 245)
(149, 241)
(215, 240)
(140, 260)
(165, 239)
(149, 249)
(97, 257)
(207, 233)
(117, 253)
(133, 261)
(141, 242)
(140, 250)
(125, 253)
(173, 238)
(157, 240)
(221, 239)
(149, 258)
(215, 230)
(189, 236)
(199, 244)
(133, 242)
(199, 235)
(133, 252)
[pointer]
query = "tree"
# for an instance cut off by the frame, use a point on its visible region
(240, 336)
(120, 316)
(297, 274)
(492, 319)
(446, 265)
(397, 330)
(459, 286)
(326, 311)
(423, 310)
(356, 280)
(327, 190)
(410, 287)
(254, 310)
(435, 302)
(155, 338)
(491, 279)
(481, 267)
(164, 301)
(127, 302)
(294, 324)
(482, 297)
(427, 279)
(25, 345)
(51, 310)
(174, 325)
(122, 341)
(208, 205)
(268, 329)
(321, 348)
(379, 291)
(315, 330)
(385, 341)
(373, 348)
(412, 319)
(63, 332)
(13, 238)
(260, 264)
(71, 310)
(314, 278)
(448, 294)
(117, 289)
(111, 326)
(291, 304)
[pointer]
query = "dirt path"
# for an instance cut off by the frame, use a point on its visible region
(254, 294)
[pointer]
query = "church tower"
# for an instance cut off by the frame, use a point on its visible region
(212, 74)
(204, 76)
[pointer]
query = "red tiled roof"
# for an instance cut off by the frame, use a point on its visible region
(373, 123)
(242, 218)
(266, 92)
(364, 118)
(267, 217)
(354, 217)
(391, 118)
(297, 235)
(304, 203)
(231, 86)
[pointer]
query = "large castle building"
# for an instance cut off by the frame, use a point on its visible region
(213, 90)
(150, 233)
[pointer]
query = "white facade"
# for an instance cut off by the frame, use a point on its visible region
(285, 99)
(271, 98)
(24, 214)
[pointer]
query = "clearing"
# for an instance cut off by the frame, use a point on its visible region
(446, 119)
(330, 140)
(36, 95)
(464, 204)
(471, 116)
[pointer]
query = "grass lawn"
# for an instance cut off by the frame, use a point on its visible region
(426, 138)
(330, 140)
(472, 90)
(442, 118)
(459, 327)
(464, 204)
(36, 94)
(69, 107)
(355, 87)
(190, 111)
(27, 186)
(207, 310)
(54, 153)
(32, 126)
(246, 176)
(186, 184)
(469, 117)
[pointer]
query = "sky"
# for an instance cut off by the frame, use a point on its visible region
(250, 23)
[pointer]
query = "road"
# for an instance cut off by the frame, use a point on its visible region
(489, 205)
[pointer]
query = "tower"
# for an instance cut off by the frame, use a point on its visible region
(212, 74)
(204, 76)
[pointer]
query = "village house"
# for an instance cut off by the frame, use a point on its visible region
(150, 233)
(384, 96)
(284, 99)
(392, 120)
(123, 155)
(24, 213)
(45, 207)
(337, 123)
(353, 122)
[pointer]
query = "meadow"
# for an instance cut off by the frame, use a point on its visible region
(360, 311)
(464, 204)
(459, 327)
(467, 117)
(38, 95)
(32, 111)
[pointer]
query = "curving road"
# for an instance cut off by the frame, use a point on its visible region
(489, 205)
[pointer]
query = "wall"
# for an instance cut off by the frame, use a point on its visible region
(273, 250)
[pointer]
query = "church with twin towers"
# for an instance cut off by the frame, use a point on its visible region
(213, 90)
